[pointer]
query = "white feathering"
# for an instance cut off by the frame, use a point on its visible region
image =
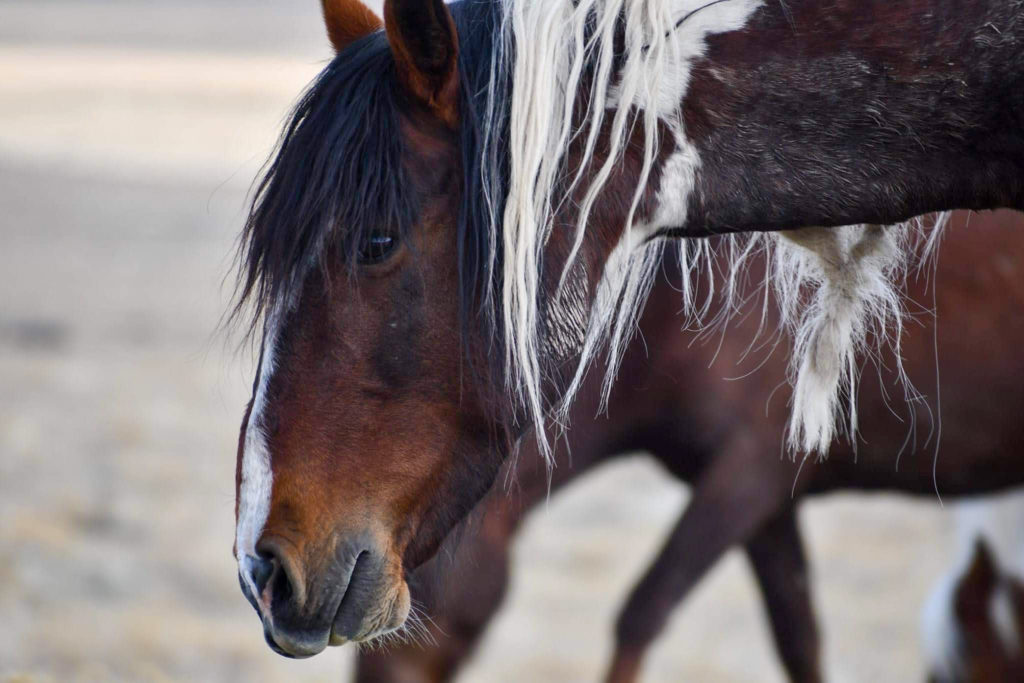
(855, 270)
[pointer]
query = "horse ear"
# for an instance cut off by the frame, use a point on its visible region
(348, 21)
(425, 46)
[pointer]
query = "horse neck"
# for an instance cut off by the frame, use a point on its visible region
(857, 112)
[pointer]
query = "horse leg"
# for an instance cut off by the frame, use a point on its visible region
(776, 553)
(739, 490)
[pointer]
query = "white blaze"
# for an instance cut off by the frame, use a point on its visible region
(257, 478)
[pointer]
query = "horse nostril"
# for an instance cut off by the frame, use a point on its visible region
(282, 585)
(261, 569)
(272, 576)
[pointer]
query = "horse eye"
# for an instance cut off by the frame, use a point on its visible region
(376, 247)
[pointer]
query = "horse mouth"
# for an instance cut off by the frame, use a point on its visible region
(358, 600)
(384, 612)
(371, 607)
(382, 617)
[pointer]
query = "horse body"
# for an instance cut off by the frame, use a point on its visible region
(412, 332)
(672, 401)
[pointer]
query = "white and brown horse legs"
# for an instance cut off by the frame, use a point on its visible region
(735, 501)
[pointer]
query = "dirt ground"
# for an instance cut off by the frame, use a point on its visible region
(129, 132)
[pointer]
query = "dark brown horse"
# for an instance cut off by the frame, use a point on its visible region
(406, 251)
(671, 404)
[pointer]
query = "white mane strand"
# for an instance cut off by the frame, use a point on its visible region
(549, 44)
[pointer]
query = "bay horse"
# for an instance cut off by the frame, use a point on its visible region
(717, 436)
(416, 316)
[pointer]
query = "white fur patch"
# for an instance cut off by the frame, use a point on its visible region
(257, 479)
(668, 81)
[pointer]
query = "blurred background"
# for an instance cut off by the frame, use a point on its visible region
(130, 131)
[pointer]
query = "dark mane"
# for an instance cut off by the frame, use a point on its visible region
(484, 160)
(338, 174)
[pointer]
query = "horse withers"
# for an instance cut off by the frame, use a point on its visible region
(415, 321)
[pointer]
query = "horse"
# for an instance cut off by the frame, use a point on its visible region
(669, 404)
(415, 316)
(973, 622)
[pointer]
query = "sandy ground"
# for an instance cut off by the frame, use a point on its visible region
(129, 132)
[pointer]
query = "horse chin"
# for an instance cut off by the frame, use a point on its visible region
(388, 615)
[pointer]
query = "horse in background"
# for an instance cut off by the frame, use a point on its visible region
(423, 287)
(973, 622)
(669, 404)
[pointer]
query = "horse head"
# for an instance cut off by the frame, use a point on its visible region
(363, 442)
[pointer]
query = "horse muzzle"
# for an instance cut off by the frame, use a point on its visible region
(356, 597)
